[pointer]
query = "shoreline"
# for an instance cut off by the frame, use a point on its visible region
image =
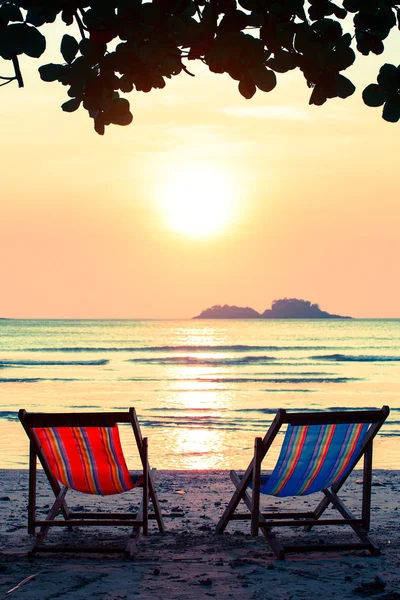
(191, 561)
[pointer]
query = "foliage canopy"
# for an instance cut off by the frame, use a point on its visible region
(130, 45)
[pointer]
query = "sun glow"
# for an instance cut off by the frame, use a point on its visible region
(198, 199)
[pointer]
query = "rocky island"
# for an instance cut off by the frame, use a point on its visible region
(285, 308)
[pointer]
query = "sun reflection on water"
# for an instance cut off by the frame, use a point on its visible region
(198, 448)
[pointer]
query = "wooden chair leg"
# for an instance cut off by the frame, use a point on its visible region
(32, 488)
(234, 501)
(367, 482)
(136, 531)
(270, 537)
(323, 505)
(135, 534)
(145, 487)
(50, 517)
(255, 495)
(152, 491)
(275, 544)
(244, 482)
(154, 501)
(346, 514)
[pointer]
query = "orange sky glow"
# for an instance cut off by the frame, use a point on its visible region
(207, 198)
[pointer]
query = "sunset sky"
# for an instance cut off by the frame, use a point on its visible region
(207, 198)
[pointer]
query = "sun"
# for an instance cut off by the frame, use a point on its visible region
(198, 200)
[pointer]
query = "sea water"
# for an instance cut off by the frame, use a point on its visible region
(202, 389)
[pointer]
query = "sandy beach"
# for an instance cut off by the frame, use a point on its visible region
(190, 561)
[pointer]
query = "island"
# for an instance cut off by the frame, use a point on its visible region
(228, 312)
(284, 308)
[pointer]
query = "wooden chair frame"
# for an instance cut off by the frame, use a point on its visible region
(266, 521)
(138, 522)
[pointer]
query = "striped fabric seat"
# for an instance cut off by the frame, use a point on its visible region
(86, 459)
(314, 457)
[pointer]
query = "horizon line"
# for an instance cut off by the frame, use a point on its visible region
(197, 319)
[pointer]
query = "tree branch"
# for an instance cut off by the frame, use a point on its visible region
(83, 18)
(18, 74)
(80, 25)
(186, 71)
(8, 80)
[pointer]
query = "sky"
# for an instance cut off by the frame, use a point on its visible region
(206, 198)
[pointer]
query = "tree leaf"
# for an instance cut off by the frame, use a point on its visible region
(71, 105)
(318, 95)
(282, 62)
(41, 14)
(158, 81)
(247, 87)
(329, 29)
(126, 83)
(20, 38)
(264, 78)
(67, 15)
(344, 87)
(12, 40)
(374, 95)
(341, 58)
(10, 12)
(249, 4)
(389, 77)
(122, 119)
(92, 52)
(391, 110)
(99, 123)
(51, 72)
(75, 90)
(234, 21)
(69, 48)
(352, 5)
(34, 42)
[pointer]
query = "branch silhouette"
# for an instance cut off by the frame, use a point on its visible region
(129, 45)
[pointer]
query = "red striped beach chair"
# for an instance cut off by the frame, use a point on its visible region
(82, 452)
(319, 451)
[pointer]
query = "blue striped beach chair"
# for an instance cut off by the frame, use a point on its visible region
(319, 451)
(83, 452)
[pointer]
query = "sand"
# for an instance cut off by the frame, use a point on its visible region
(190, 561)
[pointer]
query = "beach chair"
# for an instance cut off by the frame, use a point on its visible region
(82, 452)
(319, 451)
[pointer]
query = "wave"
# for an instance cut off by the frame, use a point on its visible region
(194, 360)
(235, 424)
(9, 415)
(92, 406)
(51, 363)
(276, 379)
(266, 411)
(185, 348)
(286, 391)
(355, 358)
(207, 423)
(245, 380)
(35, 379)
(215, 422)
(302, 409)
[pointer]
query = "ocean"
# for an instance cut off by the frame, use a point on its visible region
(202, 389)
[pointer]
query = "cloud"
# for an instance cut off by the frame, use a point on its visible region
(287, 113)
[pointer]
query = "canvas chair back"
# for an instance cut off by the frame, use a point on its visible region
(314, 457)
(86, 459)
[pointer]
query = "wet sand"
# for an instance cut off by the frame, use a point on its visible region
(191, 561)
